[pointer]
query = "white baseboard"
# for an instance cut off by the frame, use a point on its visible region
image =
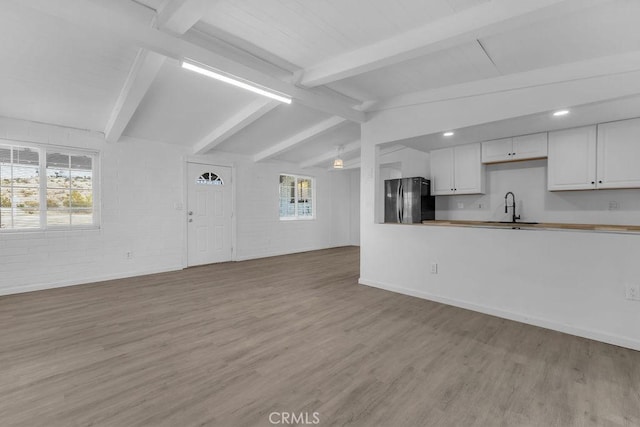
(82, 281)
(518, 317)
(284, 252)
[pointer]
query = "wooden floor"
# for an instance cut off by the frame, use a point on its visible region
(228, 344)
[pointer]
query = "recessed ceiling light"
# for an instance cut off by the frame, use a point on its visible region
(561, 113)
(448, 134)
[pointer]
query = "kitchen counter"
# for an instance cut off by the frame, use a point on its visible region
(606, 228)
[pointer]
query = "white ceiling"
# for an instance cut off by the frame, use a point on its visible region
(52, 73)
(581, 115)
(459, 64)
(272, 128)
(67, 66)
(596, 31)
(306, 32)
(181, 106)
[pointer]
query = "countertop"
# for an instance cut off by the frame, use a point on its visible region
(539, 226)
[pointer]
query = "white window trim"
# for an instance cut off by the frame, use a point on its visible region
(313, 198)
(42, 156)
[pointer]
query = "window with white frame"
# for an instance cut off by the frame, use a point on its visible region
(46, 187)
(297, 194)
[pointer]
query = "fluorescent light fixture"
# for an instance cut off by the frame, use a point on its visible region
(253, 87)
(448, 133)
(561, 113)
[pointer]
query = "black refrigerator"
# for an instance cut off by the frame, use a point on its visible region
(408, 200)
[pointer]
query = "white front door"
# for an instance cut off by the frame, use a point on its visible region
(209, 213)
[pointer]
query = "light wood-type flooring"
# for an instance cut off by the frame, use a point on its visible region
(229, 344)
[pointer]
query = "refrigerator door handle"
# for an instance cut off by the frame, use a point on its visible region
(401, 199)
(398, 203)
(397, 206)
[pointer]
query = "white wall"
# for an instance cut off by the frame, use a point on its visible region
(354, 216)
(141, 183)
(528, 180)
(260, 232)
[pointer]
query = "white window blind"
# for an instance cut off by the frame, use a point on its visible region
(46, 188)
(69, 189)
(19, 188)
(297, 194)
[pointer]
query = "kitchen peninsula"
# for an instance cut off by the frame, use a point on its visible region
(572, 270)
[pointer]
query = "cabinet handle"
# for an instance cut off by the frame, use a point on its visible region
(593, 182)
(599, 182)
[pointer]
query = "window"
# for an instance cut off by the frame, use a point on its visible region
(64, 198)
(209, 178)
(297, 197)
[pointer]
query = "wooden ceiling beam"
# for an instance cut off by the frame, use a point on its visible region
(299, 138)
(235, 124)
(574, 71)
(177, 16)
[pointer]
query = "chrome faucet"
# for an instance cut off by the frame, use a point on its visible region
(514, 218)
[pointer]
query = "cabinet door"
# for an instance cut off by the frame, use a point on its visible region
(572, 159)
(530, 146)
(498, 150)
(468, 169)
(442, 172)
(619, 154)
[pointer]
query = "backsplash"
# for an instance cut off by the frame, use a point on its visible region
(528, 180)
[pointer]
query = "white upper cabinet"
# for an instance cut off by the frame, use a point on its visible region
(572, 159)
(457, 170)
(618, 164)
(524, 147)
(442, 171)
(528, 147)
(498, 150)
(586, 159)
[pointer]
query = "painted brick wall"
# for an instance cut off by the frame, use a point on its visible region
(139, 184)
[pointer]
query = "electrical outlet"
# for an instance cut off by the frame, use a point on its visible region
(434, 268)
(632, 291)
(614, 206)
(460, 205)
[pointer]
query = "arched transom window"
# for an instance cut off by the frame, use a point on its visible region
(209, 178)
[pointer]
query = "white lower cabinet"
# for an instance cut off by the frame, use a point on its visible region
(457, 170)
